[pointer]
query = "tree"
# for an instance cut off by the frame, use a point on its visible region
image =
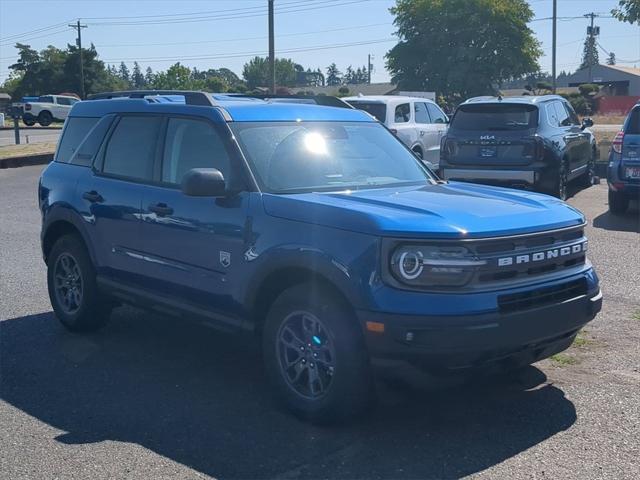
(611, 59)
(540, 88)
(462, 48)
(137, 78)
(148, 76)
(124, 72)
(334, 76)
(627, 11)
(177, 77)
(256, 72)
(589, 53)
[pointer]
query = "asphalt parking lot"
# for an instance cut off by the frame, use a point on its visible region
(148, 397)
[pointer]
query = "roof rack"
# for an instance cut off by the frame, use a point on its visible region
(326, 100)
(190, 97)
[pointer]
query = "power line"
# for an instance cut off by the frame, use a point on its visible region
(282, 10)
(225, 40)
(250, 54)
(37, 30)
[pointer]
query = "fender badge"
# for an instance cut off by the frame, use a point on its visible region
(225, 259)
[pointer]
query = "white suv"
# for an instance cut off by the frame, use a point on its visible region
(47, 109)
(418, 122)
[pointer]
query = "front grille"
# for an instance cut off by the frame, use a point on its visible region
(509, 259)
(515, 302)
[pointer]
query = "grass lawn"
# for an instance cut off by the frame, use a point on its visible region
(8, 151)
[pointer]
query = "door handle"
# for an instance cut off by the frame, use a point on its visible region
(93, 196)
(161, 209)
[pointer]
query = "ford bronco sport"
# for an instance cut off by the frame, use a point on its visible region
(312, 227)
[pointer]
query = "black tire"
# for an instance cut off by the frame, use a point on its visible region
(29, 122)
(618, 203)
(45, 118)
(561, 182)
(347, 386)
(586, 180)
(87, 310)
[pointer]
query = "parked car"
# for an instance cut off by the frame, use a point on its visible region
(313, 228)
(46, 109)
(418, 122)
(534, 142)
(623, 173)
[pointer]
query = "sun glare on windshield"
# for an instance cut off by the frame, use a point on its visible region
(315, 143)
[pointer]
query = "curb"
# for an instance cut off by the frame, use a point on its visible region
(26, 160)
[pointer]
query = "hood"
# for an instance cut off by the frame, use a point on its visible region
(447, 210)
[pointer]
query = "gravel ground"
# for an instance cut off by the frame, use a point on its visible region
(149, 397)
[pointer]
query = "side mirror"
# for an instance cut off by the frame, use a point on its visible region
(203, 182)
(586, 123)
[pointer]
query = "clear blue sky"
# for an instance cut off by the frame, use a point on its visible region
(314, 33)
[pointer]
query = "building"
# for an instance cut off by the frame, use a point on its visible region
(614, 80)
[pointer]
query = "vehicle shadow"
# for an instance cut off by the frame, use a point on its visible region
(628, 222)
(200, 398)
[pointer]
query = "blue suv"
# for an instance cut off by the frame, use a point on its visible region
(313, 228)
(623, 172)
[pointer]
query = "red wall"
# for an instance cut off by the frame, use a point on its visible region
(616, 105)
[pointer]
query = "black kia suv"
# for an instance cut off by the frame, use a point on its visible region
(535, 142)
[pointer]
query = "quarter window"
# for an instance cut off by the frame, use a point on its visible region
(131, 150)
(422, 115)
(563, 115)
(192, 144)
(74, 133)
(402, 113)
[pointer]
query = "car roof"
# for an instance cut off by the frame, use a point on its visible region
(525, 99)
(232, 109)
(387, 99)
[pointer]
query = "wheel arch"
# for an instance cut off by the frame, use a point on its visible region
(57, 229)
(280, 279)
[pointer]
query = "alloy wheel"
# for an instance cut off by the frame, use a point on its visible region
(68, 283)
(306, 354)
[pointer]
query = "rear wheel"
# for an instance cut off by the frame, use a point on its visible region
(586, 180)
(73, 290)
(618, 203)
(45, 118)
(560, 186)
(315, 356)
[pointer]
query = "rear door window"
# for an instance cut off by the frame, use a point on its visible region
(403, 113)
(422, 114)
(192, 144)
(74, 132)
(45, 99)
(64, 101)
(573, 117)
(552, 116)
(131, 150)
(437, 115)
(495, 116)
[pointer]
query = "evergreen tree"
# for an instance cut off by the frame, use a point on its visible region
(149, 77)
(137, 78)
(611, 59)
(589, 53)
(124, 72)
(334, 76)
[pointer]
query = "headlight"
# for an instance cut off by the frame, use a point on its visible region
(429, 265)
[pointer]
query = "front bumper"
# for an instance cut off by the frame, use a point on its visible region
(455, 342)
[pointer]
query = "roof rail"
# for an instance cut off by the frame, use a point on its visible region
(190, 97)
(325, 100)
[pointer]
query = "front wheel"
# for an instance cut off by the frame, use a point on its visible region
(29, 121)
(315, 356)
(618, 203)
(73, 290)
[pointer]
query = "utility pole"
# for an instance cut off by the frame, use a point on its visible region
(553, 53)
(272, 51)
(591, 33)
(369, 69)
(79, 28)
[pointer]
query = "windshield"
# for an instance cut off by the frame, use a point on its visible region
(495, 116)
(378, 110)
(319, 156)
